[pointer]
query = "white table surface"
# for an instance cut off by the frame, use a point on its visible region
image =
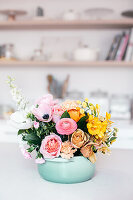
(19, 179)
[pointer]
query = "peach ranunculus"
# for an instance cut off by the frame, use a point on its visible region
(88, 152)
(50, 146)
(79, 138)
(69, 104)
(66, 126)
(67, 150)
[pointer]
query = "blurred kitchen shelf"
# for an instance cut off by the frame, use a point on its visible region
(62, 24)
(66, 63)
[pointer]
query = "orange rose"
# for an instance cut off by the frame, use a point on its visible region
(88, 152)
(74, 114)
(79, 138)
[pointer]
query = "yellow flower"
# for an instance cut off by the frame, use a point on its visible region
(90, 117)
(92, 107)
(98, 108)
(108, 116)
(96, 136)
(101, 134)
(104, 149)
(79, 102)
(82, 111)
(86, 100)
(96, 127)
(84, 104)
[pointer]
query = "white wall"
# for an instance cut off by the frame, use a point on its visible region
(32, 80)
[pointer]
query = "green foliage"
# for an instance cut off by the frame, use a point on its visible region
(46, 128)
(31, 149)
(31, 116)
(82, 124)
(111, 139)
(39, 155)
(94, 149)
(95, 113)
(32, 139)
(35, 136)
(65, 115)
(21, 131)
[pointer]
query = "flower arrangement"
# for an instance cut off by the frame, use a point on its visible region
(72, 128)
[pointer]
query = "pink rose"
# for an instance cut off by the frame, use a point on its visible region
(66, 126)
(36, 124)
(39, 161)
(57, 112)
(25, 153)
(50, 146)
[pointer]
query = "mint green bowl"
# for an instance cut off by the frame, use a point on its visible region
(59, 170)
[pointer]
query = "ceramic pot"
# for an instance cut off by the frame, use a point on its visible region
(59, 170)
(86, 54)
(70, 15)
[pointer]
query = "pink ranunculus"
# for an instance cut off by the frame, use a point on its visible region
(66, 126)
(39, 161)
(36, 124)
(50, 146)
(57, 112)
(25, 153)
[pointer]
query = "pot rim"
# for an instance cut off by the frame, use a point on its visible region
(63, 160)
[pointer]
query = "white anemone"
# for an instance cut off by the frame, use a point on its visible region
(20, 121)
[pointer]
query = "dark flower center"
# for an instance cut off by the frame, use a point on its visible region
(45, 116)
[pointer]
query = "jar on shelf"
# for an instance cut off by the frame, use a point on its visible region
(101, 98)
(38, 55)
(8, 51)
(120, 107)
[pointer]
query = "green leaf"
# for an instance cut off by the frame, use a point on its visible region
(65, 115)
(111, 139)
(32, 139)
(31, 149)
(94, 149)
(21, 131)
(31, 116)
(82, 123)
(95, 113)
(39, 155)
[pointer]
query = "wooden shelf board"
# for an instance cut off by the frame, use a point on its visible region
(61, 24)
(66, 64)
